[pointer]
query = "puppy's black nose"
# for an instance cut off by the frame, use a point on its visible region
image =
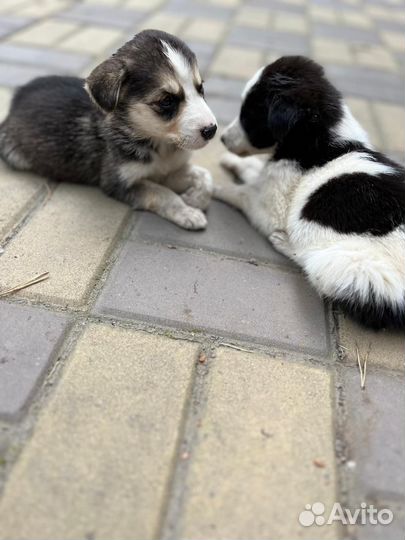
(208, 132)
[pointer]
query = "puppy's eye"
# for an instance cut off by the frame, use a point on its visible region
(200, 89)
(167, 102)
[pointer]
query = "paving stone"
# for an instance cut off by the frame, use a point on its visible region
(14, 75)
(257, 408)
(5, 99)
(15, 22)
(65, 62)
(143, 5)
(46, 32)
(391, 120)
(375, 429)
(104, 431)
(92, 40)
(251, 16)
(384, 349)
(200, 291)
(104, 15)
(375, 57)
(323, 14)
(362, 111)
(228, 232)
(394, 40)
(345, 33)
(297, 24)
(204, 52)
(331, 50)
(367, 83)
(7, 5)
(283, 42)
(357, 19)
(197, 10)
(168, 22)
(18, 193)
(237, 62)
(24, 362)
(43, 9)
(69, 238)
(220, 86)
(205, 30)
(278, 5)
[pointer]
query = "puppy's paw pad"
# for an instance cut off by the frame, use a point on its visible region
(191, 219)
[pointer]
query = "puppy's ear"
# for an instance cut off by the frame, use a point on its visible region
(105, 81)
(283, 115)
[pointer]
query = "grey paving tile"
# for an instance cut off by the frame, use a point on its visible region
(227, 232)
(99, 14)
(13, 75)
(346, 33)
(282, 42)
(200, 9)
(220, 86)
(14, 22)
(376, 430)
(225, 109)
(64, 62)
(367, 83)
(29, 337)
(204, 52)
(208, 292)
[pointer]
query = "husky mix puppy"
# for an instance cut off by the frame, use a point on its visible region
(129, 128)
(324, 198)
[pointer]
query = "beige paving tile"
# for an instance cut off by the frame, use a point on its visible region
(12, 5)
(225, 3)
(237, 62)
(92, 40)
(331, 50)
(362, 111)
(323, 14)
(41, 8)
(375, 56)
(46, 32)
(205, 30)
(110, 3)
(290, 23)
(384, 349)
(18, 192)
(100, 458)
(69, 238)
(249, 478)
(394, 40)
(5, 99)
(251, 16)
(164, 21)
(391, 120)
(143, 5)
(356, 18)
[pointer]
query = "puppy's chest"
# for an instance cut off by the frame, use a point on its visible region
(157, 170)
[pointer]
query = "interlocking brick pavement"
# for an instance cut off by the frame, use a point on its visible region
(167, 384)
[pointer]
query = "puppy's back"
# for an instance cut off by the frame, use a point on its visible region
(53, 129)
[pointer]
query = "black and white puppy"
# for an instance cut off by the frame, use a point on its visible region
(324, 198)
(128, 128)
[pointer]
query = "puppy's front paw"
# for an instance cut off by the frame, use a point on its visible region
(198, 197)
(230, 162)
(190, 218)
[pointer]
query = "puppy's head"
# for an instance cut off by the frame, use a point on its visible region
(153, 85)
(289, 99)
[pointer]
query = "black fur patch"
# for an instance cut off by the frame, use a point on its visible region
(373, 314)
(359, 203)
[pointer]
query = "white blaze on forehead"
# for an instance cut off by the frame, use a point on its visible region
(179, 63)
(250, 84)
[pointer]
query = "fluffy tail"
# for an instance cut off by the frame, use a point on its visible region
(368, 284)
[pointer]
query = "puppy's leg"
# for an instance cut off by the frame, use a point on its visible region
(279, 239)
(146, 195)
(245, 169)
(235, 195)
(195, 185)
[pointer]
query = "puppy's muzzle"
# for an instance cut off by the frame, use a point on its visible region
(208, 132)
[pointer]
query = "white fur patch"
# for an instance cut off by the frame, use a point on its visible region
(250, 84)
(349, 129)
